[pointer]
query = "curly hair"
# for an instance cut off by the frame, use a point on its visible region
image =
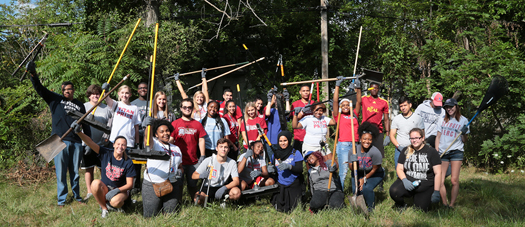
(367, 127)
(320, 158)
(160, 122)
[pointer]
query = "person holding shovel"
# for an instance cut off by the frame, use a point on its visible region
(318, 176)
(200, 98)
(252, 167)
(69, 158)
(117, 172)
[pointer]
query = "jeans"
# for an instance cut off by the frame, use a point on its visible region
(368, 188)
(69, 158)
(396, 156)
(342, 156)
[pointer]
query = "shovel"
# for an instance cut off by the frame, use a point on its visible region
(333, 158)
(50, 147)
(356, 201)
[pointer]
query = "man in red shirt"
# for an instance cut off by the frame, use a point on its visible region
(188, 134)
(227, 95)
(299, 133)
(375, 109)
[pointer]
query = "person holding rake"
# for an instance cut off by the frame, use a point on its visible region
(200, 98)
(318, 176)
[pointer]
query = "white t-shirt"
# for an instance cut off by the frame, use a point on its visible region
(404, 125)
(158, 169)
(203, 109)
(449, 131)
(315, 129)
(430, 117)
(221, 172)
(102, 115)
(125, 117)
(251, 164)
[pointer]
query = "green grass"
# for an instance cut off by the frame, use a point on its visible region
(484, 200)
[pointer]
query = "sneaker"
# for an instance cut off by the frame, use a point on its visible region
(89, 195)
(105, 213)
(113, 209)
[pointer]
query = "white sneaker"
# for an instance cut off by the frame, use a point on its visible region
(105, 213)
(89, 195)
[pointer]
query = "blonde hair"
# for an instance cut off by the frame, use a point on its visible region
(410, 150)
(196, 107)
(156, 107)
(122, 88)
(248, 105)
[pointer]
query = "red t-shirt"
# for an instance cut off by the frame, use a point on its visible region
(373, 110)
(187, 134)
(251, 126)
(263, 115)
(298, 134)
(234, 127)
(345, 135)
(238, 113)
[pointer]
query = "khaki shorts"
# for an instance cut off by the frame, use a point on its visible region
(307, 148)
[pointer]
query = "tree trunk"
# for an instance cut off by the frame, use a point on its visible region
(152, 12)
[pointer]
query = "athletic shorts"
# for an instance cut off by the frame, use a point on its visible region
(454, 155)
(89, 161)
(213, 190)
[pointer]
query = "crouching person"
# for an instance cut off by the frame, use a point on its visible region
(319, 176)
(224, 175)
(117, 172)
(252, 167)
(161, 172)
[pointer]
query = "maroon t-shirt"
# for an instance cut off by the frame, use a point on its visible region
(187, 134)
(251, 126)
(238, 113)
(298, 134)
(234, 127)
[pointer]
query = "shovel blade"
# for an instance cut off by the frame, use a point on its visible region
(50, 147)
(360, 201)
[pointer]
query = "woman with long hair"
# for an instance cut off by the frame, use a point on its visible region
(319, 176)
(126, 118)
(215, 127)
(233, 123)
(251, 118)
(200, 98)
(448, 128)
(160, 107)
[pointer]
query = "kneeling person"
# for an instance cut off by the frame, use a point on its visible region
(224, 168)
(252, 167)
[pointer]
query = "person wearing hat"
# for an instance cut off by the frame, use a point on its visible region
(402, 124)
(319, 176)
(430, 111)
(448, 128)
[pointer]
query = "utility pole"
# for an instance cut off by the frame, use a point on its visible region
(324, 47)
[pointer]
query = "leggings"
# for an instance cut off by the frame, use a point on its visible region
(422, 194)
(318, 201)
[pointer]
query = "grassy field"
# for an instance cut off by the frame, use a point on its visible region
(485, 200)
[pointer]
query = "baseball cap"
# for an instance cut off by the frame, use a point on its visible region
(306, 156)
(437, 99)
(451, 102)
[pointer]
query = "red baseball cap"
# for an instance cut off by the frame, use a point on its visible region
(437, 99)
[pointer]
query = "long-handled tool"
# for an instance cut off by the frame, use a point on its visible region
(498, 88)
(320, 80)
(35, 49)
(261, 132)
(209, 183)
(242, 116)
(356, 201)
(333, 157)
(200, 190)
(50, 147)
(209, 69)
(152, 83)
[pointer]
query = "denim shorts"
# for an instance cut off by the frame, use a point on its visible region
(454, 155)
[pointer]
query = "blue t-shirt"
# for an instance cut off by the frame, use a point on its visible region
(274, 126)
(113, 171)
(287, 177)
(213, 132)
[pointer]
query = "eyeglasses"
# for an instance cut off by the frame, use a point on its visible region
(186, 107)
(416, 138)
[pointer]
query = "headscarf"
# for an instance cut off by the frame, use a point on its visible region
(283, 154)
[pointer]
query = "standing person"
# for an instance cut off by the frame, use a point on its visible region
(160, 108)
(448, 129)
(319, 176)
(402, 124)
(419, 164)
(369, 170)
(142, 104)
(233, 123)
(224, 168)
(259, 106)
(158, 171)
(216, 128)
(375, 111)
(289, 163)
(69, 158)
(273, 118)
(227, 95)
(344, 142)
(315, 126)
(117, 174)
(102, 115)
(252, 167)
(188, 134)
(251, 119)
(200, 98)
(126, 122)
(430, 111)
(298, 134)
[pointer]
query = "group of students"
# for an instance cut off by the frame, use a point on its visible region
(205, 143)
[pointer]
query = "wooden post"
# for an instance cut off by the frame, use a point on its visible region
(324, 47)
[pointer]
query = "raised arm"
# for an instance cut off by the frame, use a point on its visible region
(89, 142)
(205, 87)
(295, 121)
(179, 86)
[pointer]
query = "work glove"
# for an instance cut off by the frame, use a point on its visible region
(357, 83)
(200, 161)
(31, 68)
(307, 109)
(284, 166)
(255, 174)
(203, 73)
(248, 153)
(339, 81)
(297, 110)
(386, 141)
(271, 169)
(408, 184)
(270, 95)
(112, 194)
(177, 76)
(220, 192)
(88, 150)
(105, 87)
(332, 168)
(204, 175)
(464, 130)
(435, 197)
(147, 121)
(352, 158)
(286, 95)
(76, 127)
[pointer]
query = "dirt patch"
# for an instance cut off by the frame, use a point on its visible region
(30, 175)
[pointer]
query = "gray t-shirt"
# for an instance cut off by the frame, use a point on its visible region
(368, 159)
(319, 178)
(251, 164)
(404, 125)
(102, 115)
(142, 105)
(221, 172)
(430, 117)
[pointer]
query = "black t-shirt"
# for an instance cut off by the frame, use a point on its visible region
(419, 164)
(113, 171)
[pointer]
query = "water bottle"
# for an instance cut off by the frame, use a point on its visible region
(416, 183)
